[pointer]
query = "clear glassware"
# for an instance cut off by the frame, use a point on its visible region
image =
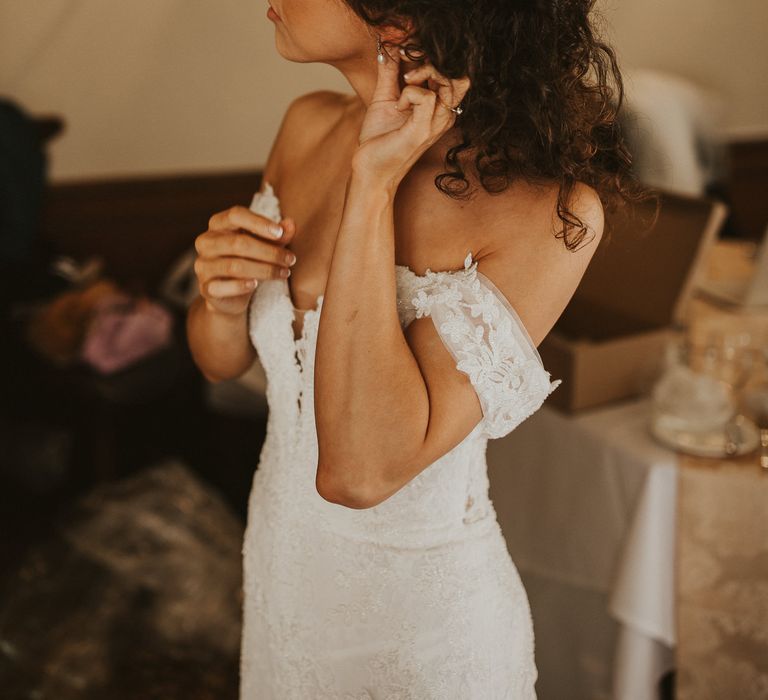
(753, 398)
(738, 358)
(727, 356)
(688, 400)
(695, 402)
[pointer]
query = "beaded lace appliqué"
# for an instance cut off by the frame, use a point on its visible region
(489, 344)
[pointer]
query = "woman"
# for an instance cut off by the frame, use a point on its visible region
(405, 336)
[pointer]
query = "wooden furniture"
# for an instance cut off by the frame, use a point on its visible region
(140, 225)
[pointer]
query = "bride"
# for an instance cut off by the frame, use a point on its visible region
(410, 246)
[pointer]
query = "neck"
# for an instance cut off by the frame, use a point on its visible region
(361, 73)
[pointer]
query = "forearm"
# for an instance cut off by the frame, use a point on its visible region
(218, 342)
(372, 406)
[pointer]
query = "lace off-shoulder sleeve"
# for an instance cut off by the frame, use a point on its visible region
(489, 343)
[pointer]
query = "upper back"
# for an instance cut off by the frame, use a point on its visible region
(309, 164)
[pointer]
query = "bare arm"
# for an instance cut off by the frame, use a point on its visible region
(372, 403)
(239, 250)
(219, 343)
(389, 403)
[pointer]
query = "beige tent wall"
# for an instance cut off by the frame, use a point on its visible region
(720, 45)
(152, 86)
(169, 86)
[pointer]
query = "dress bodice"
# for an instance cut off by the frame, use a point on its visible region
(485, 336)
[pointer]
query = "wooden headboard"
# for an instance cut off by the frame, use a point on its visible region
(140, 225)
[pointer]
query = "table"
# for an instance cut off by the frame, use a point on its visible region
(722, 579)
(587, 506)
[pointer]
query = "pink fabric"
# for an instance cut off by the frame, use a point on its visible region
(124, 330)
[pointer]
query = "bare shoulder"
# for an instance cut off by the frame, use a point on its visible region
(306, 121)
(527, 258)
(315, 112)
(330, 101)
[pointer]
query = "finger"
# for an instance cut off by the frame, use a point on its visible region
(240, 217)
(421, 100)
(221, 288)
(227, 243)
(450, 90)
(424, 72)
(435, 81)
(461, 87)
(238, 268)
(387, 77)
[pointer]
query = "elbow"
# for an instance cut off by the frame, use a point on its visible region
(359, 495)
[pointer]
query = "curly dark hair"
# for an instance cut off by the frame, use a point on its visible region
(541, 105)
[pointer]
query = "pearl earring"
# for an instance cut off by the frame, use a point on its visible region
(379, 50)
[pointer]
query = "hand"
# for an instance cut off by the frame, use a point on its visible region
(237, 251)
(399, 127)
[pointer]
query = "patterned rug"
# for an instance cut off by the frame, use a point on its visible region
(135, 597)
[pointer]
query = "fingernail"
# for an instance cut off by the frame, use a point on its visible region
(408, 75)
(285, 272)
(275, 230)
(250, 283)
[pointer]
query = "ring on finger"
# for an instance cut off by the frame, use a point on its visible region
(458, 109)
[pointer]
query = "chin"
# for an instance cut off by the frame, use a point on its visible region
(290, 53)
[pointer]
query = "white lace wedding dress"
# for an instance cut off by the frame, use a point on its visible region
(416, 598)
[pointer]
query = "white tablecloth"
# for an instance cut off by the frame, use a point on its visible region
(587, 506)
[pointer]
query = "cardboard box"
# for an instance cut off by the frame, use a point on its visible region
(608, 345)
